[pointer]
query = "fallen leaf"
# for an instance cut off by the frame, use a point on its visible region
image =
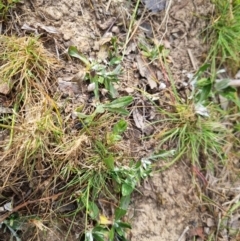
(49, 29)
(103, 53)
(145, 71)
(105, 39)
(68, 87)
(5, 110)
(29, 29)
(198, 231)
(138, 119)
(107, 23)
(140, 122)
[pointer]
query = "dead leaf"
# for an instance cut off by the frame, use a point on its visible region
(29, 29)
(5, 110)
(49, 29)
(68, 88)
(39, 224)
(145, 71)
(198, 231)
(105, 39)
(140, 122)
(102, 53)
(91, 87)
(138, 119)
(131, 48)
(107, 23)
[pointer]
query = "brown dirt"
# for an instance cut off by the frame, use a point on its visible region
(168, 203)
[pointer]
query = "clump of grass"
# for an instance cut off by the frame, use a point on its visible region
(34, 126)
(25, 75)
(194, 126)
(25, 68)
(224, 33)
(192, 136)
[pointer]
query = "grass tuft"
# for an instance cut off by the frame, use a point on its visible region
(224, 34)
(193, 137)
(25, 69)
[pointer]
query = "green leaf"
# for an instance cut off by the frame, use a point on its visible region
(127, 189)
(202, 69)
(111, 234)
(120, 127)
(96, 90)
(73, 51)
(98, 237)
(229, 93)
(116, 137)
(115, 60)
(100, 79)
(118, 111)
(93, 210)
(222, 84)
(120, 102)
(100, 109)
(116, 71)
(113, 92)
(204, 93)
(99, 233)
(124, 225)
(124, 202)
(119, 231)
(109, 162)
(119, 213)
(203, 82)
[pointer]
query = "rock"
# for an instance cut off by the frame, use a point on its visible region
(115, 29)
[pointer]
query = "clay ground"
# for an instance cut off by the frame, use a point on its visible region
(167, 206)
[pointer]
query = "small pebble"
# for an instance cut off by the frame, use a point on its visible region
(115, 29)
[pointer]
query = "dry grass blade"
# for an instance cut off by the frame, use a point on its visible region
(25, 67)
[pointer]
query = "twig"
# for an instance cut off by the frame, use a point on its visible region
(108, 5)
(192, 59)
(183, 233)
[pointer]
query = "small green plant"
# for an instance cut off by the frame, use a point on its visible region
(14, 224)
(99, 74)
(205, 89)
(126, 179)
(106, 171)
(153, 53)
(114, 229)
(117, 106)
(5, 5)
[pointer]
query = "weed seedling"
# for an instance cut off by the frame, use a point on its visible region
(99, 74)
